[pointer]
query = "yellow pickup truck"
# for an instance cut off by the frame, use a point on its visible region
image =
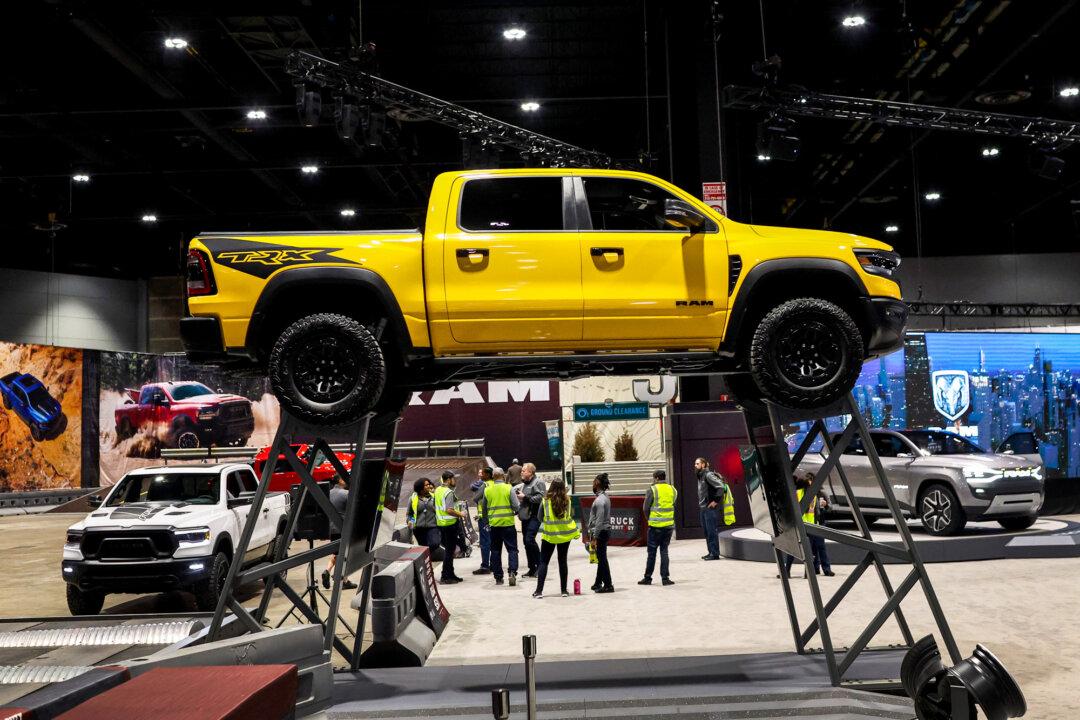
(543, 273)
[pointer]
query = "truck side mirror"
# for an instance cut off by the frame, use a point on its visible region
(681, 214)
(94, 501)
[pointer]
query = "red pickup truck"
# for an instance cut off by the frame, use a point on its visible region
(284, 477)
(186, 414)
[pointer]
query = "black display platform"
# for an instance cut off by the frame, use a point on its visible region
(766, 685)
(1048, 538)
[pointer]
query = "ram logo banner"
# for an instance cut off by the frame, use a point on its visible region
(262, 259)
(952, 392)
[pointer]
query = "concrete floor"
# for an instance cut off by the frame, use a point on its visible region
(1025, 611)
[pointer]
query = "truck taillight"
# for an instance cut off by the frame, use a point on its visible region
(200, 281)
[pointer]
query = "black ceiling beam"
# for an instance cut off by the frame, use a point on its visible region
(962, 308)
(349, 78)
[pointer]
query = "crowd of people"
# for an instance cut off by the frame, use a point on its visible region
(438, 518)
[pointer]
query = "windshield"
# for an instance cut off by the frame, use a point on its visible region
(194, 488)
(41, 399)
(190, 390)
(942, 443)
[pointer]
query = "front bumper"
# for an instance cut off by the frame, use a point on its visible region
(140, 576)
(885, 318)
(221, 431)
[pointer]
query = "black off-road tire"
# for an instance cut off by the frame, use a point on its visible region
(123, 430)
(207, 591)
(184, 435)
(327, 369)
(940, 512)
(815, 372)
(84, 602)
(36, 433)
(1016, 524)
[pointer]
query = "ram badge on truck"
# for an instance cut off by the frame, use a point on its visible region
(542, 273)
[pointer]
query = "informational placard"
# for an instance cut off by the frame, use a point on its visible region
(628, 525)
(593, 412)
(715, 196)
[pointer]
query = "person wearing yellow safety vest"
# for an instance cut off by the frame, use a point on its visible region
(817, 544)
(659, 510)
(557, 529)
(421, 517)
(498, 508)
(446, 518)
(714, 496)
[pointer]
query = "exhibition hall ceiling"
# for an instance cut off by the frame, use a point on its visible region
(127, 128)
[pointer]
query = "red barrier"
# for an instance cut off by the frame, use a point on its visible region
(628, 526)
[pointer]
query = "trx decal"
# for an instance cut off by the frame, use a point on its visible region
(263, 259)
(693, 303)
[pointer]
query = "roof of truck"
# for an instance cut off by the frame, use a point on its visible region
(200, 468)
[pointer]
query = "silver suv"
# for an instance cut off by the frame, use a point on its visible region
(940, 478)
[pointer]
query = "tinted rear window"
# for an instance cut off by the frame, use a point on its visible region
(528, 203)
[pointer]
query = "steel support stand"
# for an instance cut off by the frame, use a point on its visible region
(766, 424)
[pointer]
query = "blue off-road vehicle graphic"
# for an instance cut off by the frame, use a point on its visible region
(28, 398)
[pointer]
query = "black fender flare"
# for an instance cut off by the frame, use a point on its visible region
(315, 276)
(771, 268)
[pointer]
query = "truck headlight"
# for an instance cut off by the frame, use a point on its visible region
(193, 536)
(978, 474)
(209, 413)
(878, 262)
(74, 537)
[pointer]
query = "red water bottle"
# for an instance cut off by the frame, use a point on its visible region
(577, 586)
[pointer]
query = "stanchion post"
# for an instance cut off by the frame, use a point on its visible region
(528, 649)
(500, 704)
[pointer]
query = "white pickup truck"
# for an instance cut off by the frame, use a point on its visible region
(168, 528)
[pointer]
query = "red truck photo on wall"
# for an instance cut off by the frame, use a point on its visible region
(186, 414)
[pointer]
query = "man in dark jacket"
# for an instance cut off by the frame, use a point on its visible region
(530, 496)
(711, 491)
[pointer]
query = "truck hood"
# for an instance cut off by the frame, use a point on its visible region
(214, 399)
(770, 232)
(178, 515)
(992, 461)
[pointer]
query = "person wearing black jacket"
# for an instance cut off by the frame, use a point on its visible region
(711, 491)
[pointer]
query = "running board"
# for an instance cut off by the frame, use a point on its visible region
(580, 364)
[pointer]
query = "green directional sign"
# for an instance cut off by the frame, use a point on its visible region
(594, 412)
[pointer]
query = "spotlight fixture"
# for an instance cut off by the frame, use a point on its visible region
(763, 158)
(940, 692)
(932, 196)
(530, 106)
(80, 178)
(346, 117)
(1071, 91)
(256, 114)
(892, 228)
(514, 33)
(854, 21)
(175, 43)
(347, 212)
(309, 169)
(308, 105)
(149, 218)
(990, 152)
(777, 139)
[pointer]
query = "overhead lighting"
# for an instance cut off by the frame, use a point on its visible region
(256, 115)
(149, 218)
(175, 43)
(347, 212)
(309, 169)
(80, 178)
(990, 152)
(854, 21)
(932, 196)
(1071, 91)
(892, 228)
(530, 106)
(514, 33)
(764, 158)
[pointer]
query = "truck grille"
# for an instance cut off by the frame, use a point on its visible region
(128, 544)
(236, 411)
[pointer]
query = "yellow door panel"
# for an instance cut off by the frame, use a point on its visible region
(512, 274)
(640, 279)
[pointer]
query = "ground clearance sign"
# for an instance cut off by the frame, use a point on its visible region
(594, 412)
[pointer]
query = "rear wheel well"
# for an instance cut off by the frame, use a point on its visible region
(780, 286)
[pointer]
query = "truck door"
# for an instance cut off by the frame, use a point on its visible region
(642, 278)
(511, 268)
(234, 489)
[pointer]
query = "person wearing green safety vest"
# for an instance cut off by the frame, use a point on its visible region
(659, 510)
(557, 529)
(499, 508)
(714, 496)
(817, 544)
(484, 480)
(421, 515)
(446, 518)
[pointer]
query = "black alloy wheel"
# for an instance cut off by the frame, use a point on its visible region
(327, 369)
(808, 354)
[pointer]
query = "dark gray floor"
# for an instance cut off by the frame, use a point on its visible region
(758, 685)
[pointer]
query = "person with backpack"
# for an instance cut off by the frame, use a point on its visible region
(714, 498)
(557, 529)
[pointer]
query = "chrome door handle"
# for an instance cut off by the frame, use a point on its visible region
(467, 252)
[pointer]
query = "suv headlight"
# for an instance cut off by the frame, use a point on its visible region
(878, 262)
(74, 537)
(192, 536)
(978, 474)
(209, 413)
